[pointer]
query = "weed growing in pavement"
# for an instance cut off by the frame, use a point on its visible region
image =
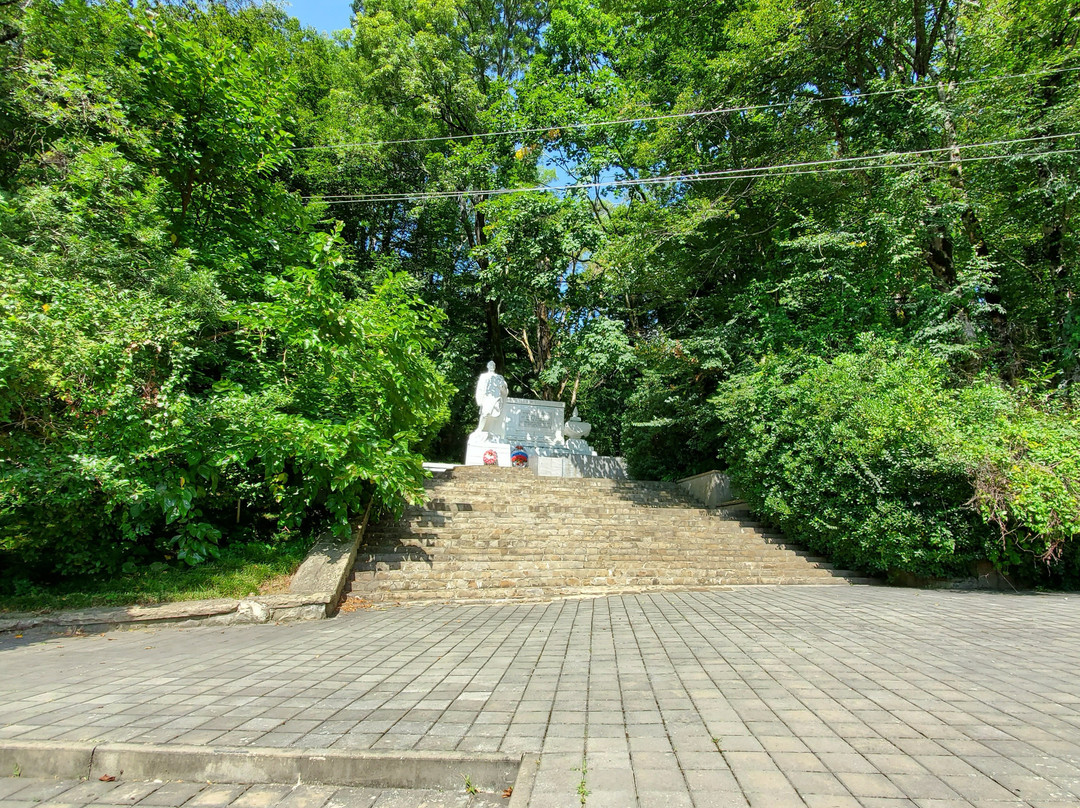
(469, 787)
(581, 790)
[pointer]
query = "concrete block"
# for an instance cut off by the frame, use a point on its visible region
(389, 769)
(61, 759)
(711, 488)
(328, 564)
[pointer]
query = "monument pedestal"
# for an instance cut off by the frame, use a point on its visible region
(539, 428)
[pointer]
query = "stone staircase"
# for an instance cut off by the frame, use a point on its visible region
(491, 533)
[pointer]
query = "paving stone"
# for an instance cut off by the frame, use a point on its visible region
(131, 793)
(864, 785)
(10, 785)
(718, 799)
(352, 798)
(817, 783)
(306, 796)
(422, 798)
(172, 794)
(796, 665)
(40, 790)
(663, 799)
(830, 801)
(260, 796)
(772, 799)
(213, 796)
(605, 799)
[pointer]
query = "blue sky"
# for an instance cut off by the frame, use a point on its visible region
(323, 15)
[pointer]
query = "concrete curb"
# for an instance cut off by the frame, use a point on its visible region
(65, 761)
(218, 612)
(314, 593)
(526, 779)
(442, 770)
(329, 563)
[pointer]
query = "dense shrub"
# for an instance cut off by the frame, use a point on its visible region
(182, 361)
(129, 435)
(879, 461)
(1025, 469)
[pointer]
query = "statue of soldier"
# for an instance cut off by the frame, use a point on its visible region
(491, 393)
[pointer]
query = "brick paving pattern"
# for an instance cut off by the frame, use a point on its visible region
(764, 696)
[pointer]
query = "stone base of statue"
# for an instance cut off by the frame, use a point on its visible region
(555, 447)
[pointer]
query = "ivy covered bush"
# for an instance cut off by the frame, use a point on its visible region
(886, 463)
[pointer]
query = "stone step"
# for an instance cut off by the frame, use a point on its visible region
(492, 494)
(498, 533)
(525, 553)
(436, 581)
(389, 595)
(523, 546)
(519, 548)
(588, 535)
(598, 578)
(588, 570)
(692, 523)
(673, 531)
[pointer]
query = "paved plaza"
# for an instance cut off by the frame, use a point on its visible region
(767, 696)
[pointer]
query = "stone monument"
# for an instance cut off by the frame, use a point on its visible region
(555, 447)
(491, 392)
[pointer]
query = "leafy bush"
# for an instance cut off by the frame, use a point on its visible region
(1025, 468)
(119, 449)
(181, 362)
(879, 461)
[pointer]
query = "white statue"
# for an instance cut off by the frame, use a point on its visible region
(491, 393)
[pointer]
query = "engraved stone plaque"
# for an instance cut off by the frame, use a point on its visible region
(536, 423)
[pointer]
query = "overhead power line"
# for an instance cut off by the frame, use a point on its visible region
(697, 178)
(678, 115)
(832, 165)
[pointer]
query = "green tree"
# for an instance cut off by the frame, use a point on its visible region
(182, 361)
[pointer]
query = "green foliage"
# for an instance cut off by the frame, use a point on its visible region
(857, 457)
(880, 460)
(1025, 467)
(184, 361)
(194, 348)
(669, 429)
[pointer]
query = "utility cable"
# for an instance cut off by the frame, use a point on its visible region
(678, 115)
(817, 166)
(690, 179)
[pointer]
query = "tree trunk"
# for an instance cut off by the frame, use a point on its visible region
(999, 324)
(543, 346)
(494, 331)
(474, 231)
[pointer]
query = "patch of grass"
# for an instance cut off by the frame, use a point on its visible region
(241, 570)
